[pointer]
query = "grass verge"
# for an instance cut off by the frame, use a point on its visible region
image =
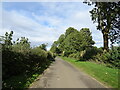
(108, 76)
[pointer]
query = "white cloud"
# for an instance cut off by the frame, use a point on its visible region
(50, 20)
(49, 25)
(25, 26)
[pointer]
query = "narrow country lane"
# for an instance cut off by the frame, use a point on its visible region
(61, 74)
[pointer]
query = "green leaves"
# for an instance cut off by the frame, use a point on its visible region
(43, 46)
(19, 58)
(73, 41)
(22, 45)
(107, 15)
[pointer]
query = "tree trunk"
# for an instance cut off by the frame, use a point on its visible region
(105, 40)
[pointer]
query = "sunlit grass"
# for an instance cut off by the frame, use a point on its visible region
(108, 76)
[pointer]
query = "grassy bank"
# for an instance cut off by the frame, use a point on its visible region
(108, 76)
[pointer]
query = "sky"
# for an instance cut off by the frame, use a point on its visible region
(44, 22)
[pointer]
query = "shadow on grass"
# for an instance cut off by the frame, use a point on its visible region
(80, 60)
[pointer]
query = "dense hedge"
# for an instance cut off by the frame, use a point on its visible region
(15, 63)
(19, 58)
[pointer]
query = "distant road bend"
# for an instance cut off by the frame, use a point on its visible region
(61, 74)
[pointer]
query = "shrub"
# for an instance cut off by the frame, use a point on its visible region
(78, 55)
(111, 58)
(114, 58)
(66, 53)
(73, 55)
(19, 58)
(91, 52)
(50, 56)
(12, 63)
(87, 54)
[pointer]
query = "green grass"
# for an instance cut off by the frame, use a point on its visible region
(108, 76)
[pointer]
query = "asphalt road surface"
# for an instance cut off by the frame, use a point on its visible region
(61, 74)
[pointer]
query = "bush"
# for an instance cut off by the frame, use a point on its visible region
(18, 63)
(114, 58)
(66, 53)
(50, 56)
(87, 54)
(72, 55)
(91, 52)
(75, 55)
(20, 59)
(12, 63)
(111, 58)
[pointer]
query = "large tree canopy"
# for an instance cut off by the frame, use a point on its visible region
(73, 41)
(107, 15)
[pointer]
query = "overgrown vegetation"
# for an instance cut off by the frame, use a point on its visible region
(110, 58)
(107, 17)
(108, 76)
(73, 41)
(21, 63)
(79, 45)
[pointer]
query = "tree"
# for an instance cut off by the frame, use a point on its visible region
(114, 37)
(107, 15)
(7, 40)
(43, 46)
(22, 45)
(67, 42)
(70, 30)
(87, 37)
(54, 48)
(73, 41)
